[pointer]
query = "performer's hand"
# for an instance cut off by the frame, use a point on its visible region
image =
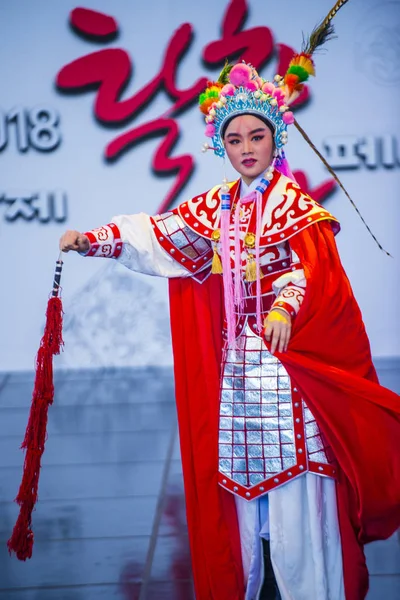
(74, 240)
(278, 327)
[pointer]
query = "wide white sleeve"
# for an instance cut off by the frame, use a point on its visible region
(141, 251)
(143, 244)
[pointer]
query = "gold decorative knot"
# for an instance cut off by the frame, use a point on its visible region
(249, 240)
(216, 235)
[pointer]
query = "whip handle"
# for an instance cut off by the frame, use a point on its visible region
(57, 277)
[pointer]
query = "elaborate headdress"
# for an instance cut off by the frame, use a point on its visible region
(240, 90)
(245, 93)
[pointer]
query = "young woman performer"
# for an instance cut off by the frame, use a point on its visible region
(281, 416)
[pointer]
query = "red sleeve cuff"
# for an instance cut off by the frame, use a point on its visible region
(105, 241)
(284, 306)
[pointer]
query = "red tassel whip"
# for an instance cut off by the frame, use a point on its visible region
(21, 540)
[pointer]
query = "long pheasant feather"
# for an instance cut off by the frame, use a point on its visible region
(323, 32)
(338, 181)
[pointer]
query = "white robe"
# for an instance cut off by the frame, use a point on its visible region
(300, 520)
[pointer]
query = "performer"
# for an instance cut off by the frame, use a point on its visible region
(289, 444)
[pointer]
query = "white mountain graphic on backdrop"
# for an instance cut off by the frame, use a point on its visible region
(118, 319)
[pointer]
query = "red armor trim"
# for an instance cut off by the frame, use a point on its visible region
(277, 266)
(322, 469)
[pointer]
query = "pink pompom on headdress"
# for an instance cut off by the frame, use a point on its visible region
(240, 74)
(252, 86)
(228, 90)
(279, 95)
(268, 88)
(210, 130)
(288, 117)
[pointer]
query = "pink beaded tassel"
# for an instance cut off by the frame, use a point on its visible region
(226, 263)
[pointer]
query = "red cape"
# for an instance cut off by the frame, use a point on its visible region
(329, 360)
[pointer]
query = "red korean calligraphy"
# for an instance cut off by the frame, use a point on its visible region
(109, 71)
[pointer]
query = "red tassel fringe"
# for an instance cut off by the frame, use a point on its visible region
(21, 540)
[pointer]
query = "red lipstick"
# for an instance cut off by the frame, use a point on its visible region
(249, 162)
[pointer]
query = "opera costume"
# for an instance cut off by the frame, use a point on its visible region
(299, 448)
(265, 434)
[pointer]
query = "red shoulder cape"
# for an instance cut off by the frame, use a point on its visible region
(329, 360)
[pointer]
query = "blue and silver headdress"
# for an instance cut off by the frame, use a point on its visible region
(239, 91)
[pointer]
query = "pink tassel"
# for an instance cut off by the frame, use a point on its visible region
(258, 267)
(227, 275)
(234, 291)
(239, 299)
(239, 283)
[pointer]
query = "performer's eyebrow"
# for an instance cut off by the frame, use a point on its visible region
(258, 130)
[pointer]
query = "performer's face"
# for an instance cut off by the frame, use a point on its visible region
(249, 145)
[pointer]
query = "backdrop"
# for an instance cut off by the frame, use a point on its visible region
(98, 117)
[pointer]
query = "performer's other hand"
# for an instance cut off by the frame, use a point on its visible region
(74, 240)
(278, 327)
